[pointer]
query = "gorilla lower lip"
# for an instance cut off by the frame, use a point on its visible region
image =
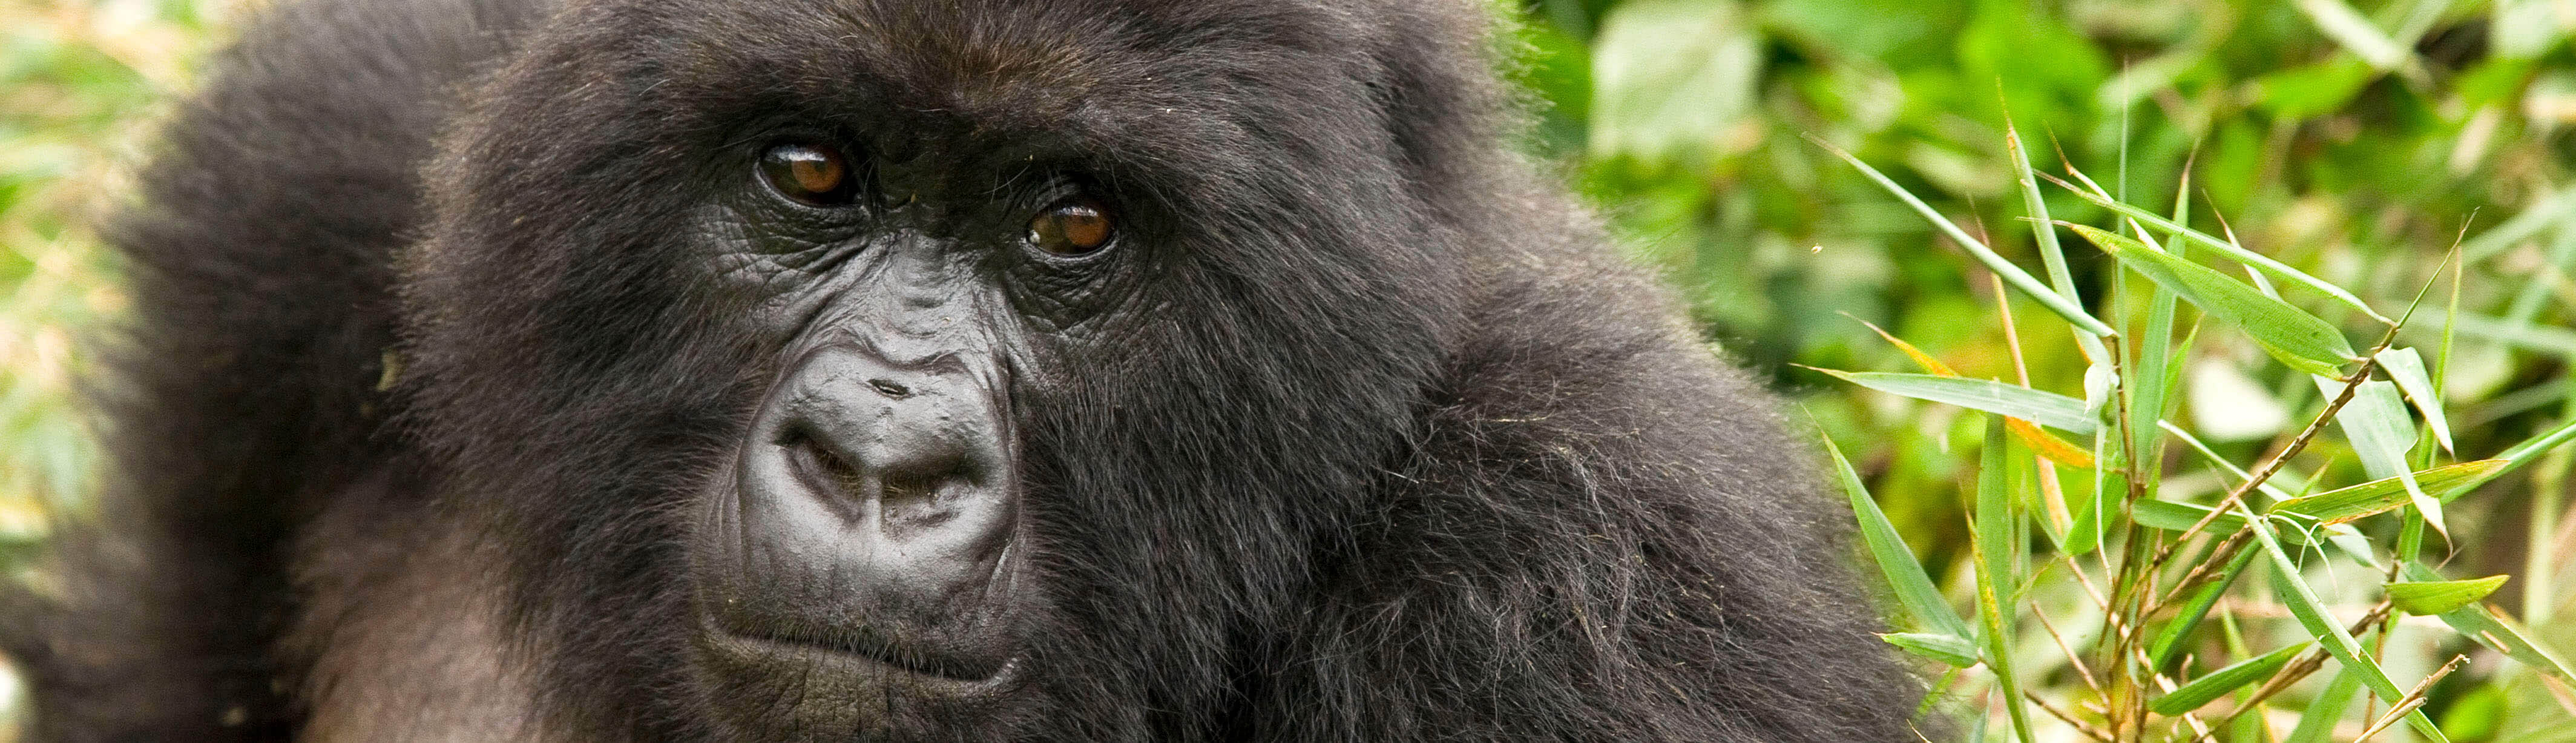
(876, 659)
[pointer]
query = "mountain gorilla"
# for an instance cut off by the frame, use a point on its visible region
(957, 370)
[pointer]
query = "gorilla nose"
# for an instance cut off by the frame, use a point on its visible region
(877, 502)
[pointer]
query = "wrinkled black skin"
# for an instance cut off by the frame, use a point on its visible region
(1363, 434)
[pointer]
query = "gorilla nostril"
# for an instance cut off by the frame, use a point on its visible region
(826, 466)
(889, 388)
(914, 485)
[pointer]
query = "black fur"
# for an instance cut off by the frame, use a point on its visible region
(1378, 441)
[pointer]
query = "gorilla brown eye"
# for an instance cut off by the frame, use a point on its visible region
(1074, 226)
(811, 173)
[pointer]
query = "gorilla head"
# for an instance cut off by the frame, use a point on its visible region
(925, 364)
(1081, 370)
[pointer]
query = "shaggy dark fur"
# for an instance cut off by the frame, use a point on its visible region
(1366, 437)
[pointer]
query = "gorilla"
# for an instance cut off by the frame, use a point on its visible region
(917, 370)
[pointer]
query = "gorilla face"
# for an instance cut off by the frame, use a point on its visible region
(927, 370)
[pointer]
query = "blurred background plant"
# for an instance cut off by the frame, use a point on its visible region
(2355, 141)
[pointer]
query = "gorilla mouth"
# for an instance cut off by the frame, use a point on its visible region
(869, 655)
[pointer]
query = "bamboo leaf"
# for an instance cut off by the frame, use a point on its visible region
(2172, 516)
(2051, 255)
(1997, 525)
(1905, 575)
(2381, 434)
(2186, 621)
(2048, 445)
(1953, 650)
(2234, 252)
(2045, 408)
(2293, 336)
(2219, 682)
(2011, 274)
(2311, 613)
(2406, 367)
(2429, 598)
(2492, 629)
(2317, 722)
(2379, 496)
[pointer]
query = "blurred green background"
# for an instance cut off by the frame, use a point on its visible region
(2352, 138)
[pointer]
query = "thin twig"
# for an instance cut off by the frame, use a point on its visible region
(2414, 698)
(2081, 671)
(2088, 730)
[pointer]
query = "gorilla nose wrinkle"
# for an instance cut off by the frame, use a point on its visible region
(876, 501)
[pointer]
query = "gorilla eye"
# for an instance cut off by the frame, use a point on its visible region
(1071, 227)
(811, 173)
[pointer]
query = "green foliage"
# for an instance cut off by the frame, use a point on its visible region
(2262, 187)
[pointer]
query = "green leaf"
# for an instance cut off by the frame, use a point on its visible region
(2494, 630)
(1956, 651)
(1904, 574)
(2291, 335)
(2011, 274)
(2219, 682)
(2051, 255)
(2429, 598)
(2044, 408)
(2233, 251)
(2311, 613)
(1997, 526)
(2375, 421)
(2406, 367)
(2172, 516)
(2317, 722)
(2379, 496)
(2170, 639)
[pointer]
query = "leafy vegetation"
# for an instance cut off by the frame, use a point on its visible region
(2226, 368)
(2226, 347)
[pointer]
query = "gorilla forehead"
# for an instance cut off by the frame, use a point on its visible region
(1150, 83)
